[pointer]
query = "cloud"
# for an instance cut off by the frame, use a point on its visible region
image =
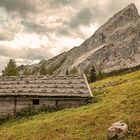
(34, 27)
(5, 34)
(41, 29)
(60, 3)
(83, 17)
(33, 47)
(3, 61)
(20, 6)
(25, 53)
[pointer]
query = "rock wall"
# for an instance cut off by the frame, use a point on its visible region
(120, 36)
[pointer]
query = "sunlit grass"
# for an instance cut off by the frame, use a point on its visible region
(117, 98)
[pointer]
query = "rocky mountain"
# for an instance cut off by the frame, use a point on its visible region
(115, 45)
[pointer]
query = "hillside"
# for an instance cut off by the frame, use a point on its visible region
(114, 46)
(116, 98)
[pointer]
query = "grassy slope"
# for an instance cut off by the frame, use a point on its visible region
(118, 98)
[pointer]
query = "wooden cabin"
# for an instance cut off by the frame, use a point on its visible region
(17, 93)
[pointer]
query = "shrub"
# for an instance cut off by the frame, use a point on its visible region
(28, 112)
(92, 77)
(74, 71)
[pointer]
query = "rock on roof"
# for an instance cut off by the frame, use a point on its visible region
(51, 86)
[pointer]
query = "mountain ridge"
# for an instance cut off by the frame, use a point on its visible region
(120, 34)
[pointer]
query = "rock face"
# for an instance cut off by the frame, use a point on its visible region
(115, 45)
(117, 130)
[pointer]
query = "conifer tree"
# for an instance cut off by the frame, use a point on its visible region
(10, 69)
(67, 72)
(92, 74)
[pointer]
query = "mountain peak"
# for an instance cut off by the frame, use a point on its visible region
(115, 45)
(126, 15)
(129, 10)
(131, 5)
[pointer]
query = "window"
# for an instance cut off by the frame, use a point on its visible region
(35, 101)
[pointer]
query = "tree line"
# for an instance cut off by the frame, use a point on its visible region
(92, 75)
(11, 70)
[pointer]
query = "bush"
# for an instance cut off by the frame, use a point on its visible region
(102, 75)
(92, 74)
(74, 71)
(31, 111)
(28, 112)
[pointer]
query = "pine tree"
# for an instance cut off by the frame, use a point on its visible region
(92, 74)
(67, 72)
(10, 69)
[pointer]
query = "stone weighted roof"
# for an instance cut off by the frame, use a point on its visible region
(51, 86)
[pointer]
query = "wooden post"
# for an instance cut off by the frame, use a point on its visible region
(56, 103)
(15, 105)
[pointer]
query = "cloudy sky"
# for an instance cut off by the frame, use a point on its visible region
(31, 30)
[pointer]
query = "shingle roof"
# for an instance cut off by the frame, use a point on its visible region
(51, 86)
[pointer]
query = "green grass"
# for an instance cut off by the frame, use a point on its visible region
(117, 98)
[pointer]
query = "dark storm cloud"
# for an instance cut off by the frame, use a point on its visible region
(56, 19)
(24, 7)
(95, 12)
(62, 2)
(83, 17)
(20, 6)
(34, 27)
(86, 16)
(30, 26)
(59, 3)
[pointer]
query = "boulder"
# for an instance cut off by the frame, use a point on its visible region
(118, 130)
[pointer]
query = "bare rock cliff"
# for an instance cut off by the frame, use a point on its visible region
(115, 45)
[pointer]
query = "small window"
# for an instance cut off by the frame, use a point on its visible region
(35, 101)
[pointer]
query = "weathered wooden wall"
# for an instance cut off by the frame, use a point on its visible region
(11, 105)
(6, 106)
